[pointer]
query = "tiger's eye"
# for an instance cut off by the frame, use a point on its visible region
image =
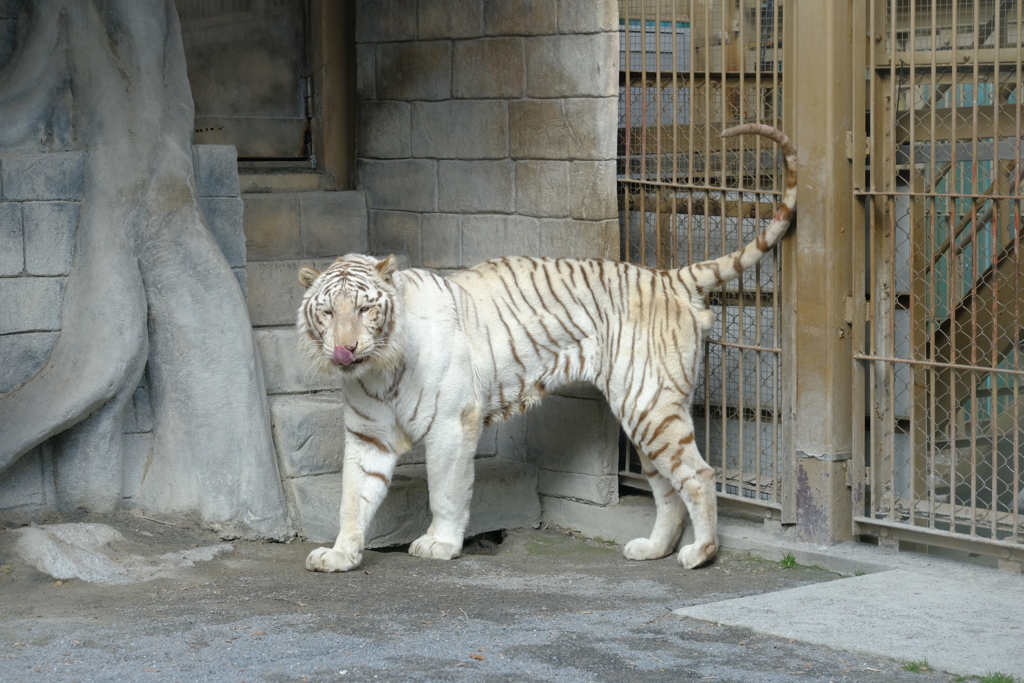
(364, 310)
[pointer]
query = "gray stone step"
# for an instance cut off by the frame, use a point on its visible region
(309, 435)
(274, 292)
(296, 225)
(504, 497)
(286, 370)
(276, 180)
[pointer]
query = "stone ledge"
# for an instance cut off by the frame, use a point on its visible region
(24, 354)
(634, 516)
(488, 68)
(47, 176)
(22, 485)
(401, 184)
(384, 20)
(587, 16)
(574, 435)
(216, 170)
(224, 218)
(309, 433)
(520, 17)
(414, 70)
(43, 176)
(31, 304)
(572, 65)
(285, 369)
(12, 241)
(601, 490)
(460, 129)
(573, 129)
(274, 293)
(450, 19)
(294, 225)
(504, 497)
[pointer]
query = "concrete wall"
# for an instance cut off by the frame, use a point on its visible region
(40, 197)
(488, 128)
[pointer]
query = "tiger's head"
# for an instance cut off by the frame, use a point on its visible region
(348, 313)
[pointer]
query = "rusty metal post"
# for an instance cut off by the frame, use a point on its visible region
(818, 113)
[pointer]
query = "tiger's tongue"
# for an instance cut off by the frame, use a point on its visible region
(343, 356)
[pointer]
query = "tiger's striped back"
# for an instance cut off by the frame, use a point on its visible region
(545, 323)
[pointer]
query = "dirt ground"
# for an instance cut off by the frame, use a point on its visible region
(542, 605)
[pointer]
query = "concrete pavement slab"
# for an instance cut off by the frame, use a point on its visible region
(970, 621)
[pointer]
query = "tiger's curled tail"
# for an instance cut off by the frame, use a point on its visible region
(716, 272)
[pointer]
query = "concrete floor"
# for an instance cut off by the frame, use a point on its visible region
(541, 605)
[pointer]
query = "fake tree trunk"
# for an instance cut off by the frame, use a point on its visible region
(149, 286)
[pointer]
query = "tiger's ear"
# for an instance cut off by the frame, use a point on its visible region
(307, 275)
(387, 267)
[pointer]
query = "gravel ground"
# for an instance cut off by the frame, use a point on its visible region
(534, 606)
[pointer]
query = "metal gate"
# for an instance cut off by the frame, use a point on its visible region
(688, 70)
(939, 372)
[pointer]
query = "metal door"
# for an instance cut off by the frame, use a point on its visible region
(247, 66)
(939, 368)
(688, 70)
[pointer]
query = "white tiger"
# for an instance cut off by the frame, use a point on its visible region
(433, 359)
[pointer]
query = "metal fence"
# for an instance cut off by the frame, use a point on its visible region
(688, 70)
(940, 375)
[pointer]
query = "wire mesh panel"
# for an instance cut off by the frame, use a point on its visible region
(688, 70)
(941, 358)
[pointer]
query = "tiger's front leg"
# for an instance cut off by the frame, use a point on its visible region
(451, 445)
(365, 478)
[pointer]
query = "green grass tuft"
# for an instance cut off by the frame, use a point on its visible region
(916, 667)
(788, 561)
(996, 677)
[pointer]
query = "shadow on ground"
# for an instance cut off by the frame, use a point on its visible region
(538, 605)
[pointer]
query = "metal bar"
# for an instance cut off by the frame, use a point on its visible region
(1016, 218)
(947, 58)
(871, 251)
(888, 284)
(681, 179)
(946, 538)
(992, 211)
(975, 181)
(914, 266)
(940, 195)
(932, 345)
(741, 186)
(858, 149)
(946, 366)
(745, 347)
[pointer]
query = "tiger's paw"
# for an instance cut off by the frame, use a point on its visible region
(433, 547)
(694, 555)
(329, 560)
(644, 549)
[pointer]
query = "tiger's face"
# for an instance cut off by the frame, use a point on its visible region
(347, 315)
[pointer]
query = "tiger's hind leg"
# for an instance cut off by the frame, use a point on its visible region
(670, 443)
(668, 524)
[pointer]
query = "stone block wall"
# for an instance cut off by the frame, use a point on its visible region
(488, 128)
(40, 199)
